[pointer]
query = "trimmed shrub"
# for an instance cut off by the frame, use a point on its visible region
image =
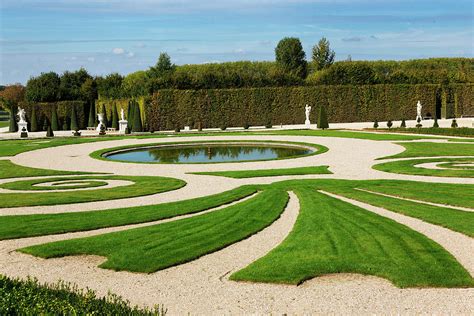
(65, 124)
(45, 124)
(322, 118)
(389, 124)
(418, 121)
(403, 124)
(49, 131)
(137, 121)
(115, 118)
(12, 126)
(33, 121)
(104, 112)
(92, 116)
(74, 125)
(435, 123)
(54, 120)
(376, 124)
(454, 123)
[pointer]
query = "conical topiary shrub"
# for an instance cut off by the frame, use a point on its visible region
(137, 119)
(54, 120)
(115, 119)
(45, 124)
(376, 124)
(74, 125)
(389, 124)
(91, 120)
(49, 130)
(403, 124)
(12, 127)
(322, 118)
(65, 124)
(435, 123)
(131, 108)
(106, 120)
(33, 121)
(454, 123)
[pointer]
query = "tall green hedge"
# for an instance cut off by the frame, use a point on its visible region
(285, 105)
(63, 110)
(124, 104)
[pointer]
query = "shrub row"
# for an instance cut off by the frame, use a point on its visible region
(44, 111)
(169, 109)
(31, 298)
(123, 104)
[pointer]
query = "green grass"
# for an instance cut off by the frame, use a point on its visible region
(29, 297)
(345, 134)
(152, 248)
(456, 220)
(101, 154)
(429, 149)
(20, 226)
(4, 124)
(11, 170)
(141, 186)
(268, 172)
(331, 236)
(34, 185)
(409, 167)
(462, 131)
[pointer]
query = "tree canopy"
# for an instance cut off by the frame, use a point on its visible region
(291, 57)
(323, 56)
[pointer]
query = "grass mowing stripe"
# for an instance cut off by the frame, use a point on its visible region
(430, 149)
(20, 226)
(269, 172)
(409, 167)
(456, 220)
(141, 186)
(157, 247)
(332, 236)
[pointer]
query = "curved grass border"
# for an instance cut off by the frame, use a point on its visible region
(32, 185)
(101, 154)
(409, 167)
(141, 186)
(243, 174)
(431, 149)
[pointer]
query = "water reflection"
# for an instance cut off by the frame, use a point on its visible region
(208, 153)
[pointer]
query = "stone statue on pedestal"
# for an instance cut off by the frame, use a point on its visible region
(307, 112)
(419, 107)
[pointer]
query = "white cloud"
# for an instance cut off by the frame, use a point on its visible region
(118, 51)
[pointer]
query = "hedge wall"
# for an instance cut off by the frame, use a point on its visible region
(122, 104)
(63, 109)
(258, 106)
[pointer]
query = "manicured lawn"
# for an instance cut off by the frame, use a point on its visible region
(345, 134)
(331, 236)
(409, 167)
(269, 172)
(19, 226)
(4, 124)
(427, 149)
(462, 131)
(10, 170)
(460, 221)
(152, 248)
(141, 186)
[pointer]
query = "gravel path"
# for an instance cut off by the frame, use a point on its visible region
(202, 286)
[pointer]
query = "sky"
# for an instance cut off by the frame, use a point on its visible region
(124, 36)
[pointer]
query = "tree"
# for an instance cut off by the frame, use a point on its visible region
(106, 120)
(115, 118)
(322, 118)
(136, 84)
(110, 87)
(11, 95)
(74, 125)
(130, 114)
(12, 127)
(33, 120)
(70, 87)
(54, 120)
(162, 66)
(290, 56)
(323, 56)
(44, 88)
(137, 120)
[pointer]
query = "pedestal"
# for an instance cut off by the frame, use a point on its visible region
(21, 126)
(187, 128)
(307, 123)
(123, 126)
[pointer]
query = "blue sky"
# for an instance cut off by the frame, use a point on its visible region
(123, 36)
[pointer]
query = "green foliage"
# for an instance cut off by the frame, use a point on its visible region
(29, 297)
(115, 118)
(389, 124)
(110, 87)
(74, 125)
(104, 112)
(290, 56)
(49, 131)
(242, 174)
(463, 131)
(12, 127)
(91, 120)
(322, 118)
(454, 123)
(355, 73)
(44, 88)
(376, 124)
(323, 56)
(163, 66)
(71, 83)
(137, 119)
(54, 119)
(403, 124)
(33, 121)
(65, 124)
(435, 123)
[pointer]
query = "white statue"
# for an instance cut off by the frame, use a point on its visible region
(123, 123)
(419, 107)
(101, 121)
(21, 115)
(307, 109)
(122, 115)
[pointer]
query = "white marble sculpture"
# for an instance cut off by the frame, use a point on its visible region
(101, 122)
(307, 109)
(22, 124)
(419, 107)
(123, 123)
